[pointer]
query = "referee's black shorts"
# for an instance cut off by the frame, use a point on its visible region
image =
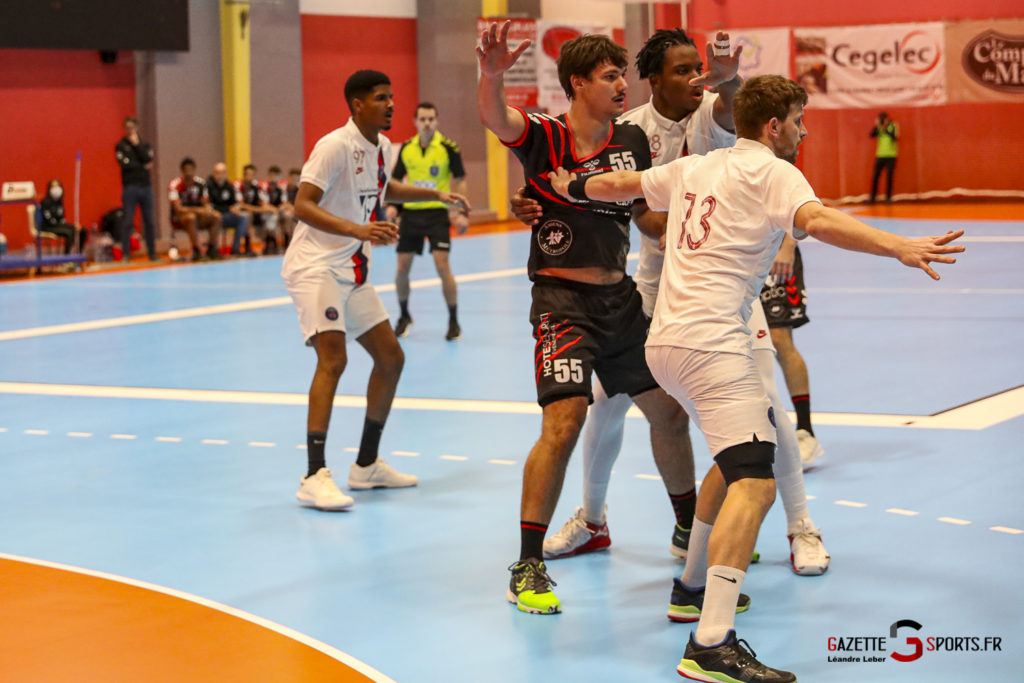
(417, 224)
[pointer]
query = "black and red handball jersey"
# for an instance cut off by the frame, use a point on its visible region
(577, 234)
(191, 191)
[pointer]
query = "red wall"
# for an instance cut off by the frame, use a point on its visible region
(53, 104)
(973, 146)
(333, 47)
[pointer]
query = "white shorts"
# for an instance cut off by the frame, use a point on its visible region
(760, 335)
(325, 303)
(721, 392)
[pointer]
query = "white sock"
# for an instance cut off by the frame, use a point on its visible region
(789, 471)
(695, 573)
(718, 615)
(602, 440)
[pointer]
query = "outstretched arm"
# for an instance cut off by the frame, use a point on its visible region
(495, 59)
(723, 71)
(616, 186)
(840, 230)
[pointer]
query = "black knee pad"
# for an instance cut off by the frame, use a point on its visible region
(751, 460)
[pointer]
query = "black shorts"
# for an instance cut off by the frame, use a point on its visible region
(417, 224)
(583, 328)
(785, 303)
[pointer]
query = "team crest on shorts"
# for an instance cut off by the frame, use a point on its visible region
(331, 313)
(554, 237)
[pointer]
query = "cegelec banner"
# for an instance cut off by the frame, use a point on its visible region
(872, 66)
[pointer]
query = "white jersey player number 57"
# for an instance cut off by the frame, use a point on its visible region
(705, 228)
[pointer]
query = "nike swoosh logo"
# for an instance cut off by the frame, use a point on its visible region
(726, 579)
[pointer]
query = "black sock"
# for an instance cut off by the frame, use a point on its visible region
(315, 451)
(452, 317)
(370, 442)
(802, 406)
(684, 505)
(531, 540)
(404, 305)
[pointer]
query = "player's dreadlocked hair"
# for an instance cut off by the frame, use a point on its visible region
(651, 57)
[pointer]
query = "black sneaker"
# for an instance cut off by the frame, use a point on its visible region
(680, 542)
(213, 255)
(402, 326)
(686, 605)
(454, 331)
(530, 588)
(731, 662)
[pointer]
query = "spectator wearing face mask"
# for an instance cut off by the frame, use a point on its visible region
(52, 207)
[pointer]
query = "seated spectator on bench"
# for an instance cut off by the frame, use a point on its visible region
(255, 203)
(52, 207)
(191, 210)
(227, 201)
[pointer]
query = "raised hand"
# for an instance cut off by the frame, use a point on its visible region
(493, 54)
(918, 253)
(721, 67)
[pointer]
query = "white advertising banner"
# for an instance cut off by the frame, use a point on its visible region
(765, 51)
(872, 66)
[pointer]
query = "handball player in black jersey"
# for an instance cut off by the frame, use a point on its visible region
(586, 314)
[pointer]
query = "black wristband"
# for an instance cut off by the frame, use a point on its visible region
(577, 189)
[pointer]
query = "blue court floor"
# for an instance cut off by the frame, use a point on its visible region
(152, 425)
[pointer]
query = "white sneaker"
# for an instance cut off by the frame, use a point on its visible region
(577, 536)
(810, 449)
(379, 475)
(319, 491)
(807, 553)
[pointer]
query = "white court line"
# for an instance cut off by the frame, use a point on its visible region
(37, 432)
(954, 520)
(901, 511)
(262, 444)
(409, 454)
(80, 435)
(350, 449)
(851, 504)
(179, 314)
(502, 462)
(653, 477)
(124, 437)
(323, 647)
(169, 439)
(809, 497)
(3, 429)
(455, 457)
(214, 442)
(1006, 530)
(301, 447)
(976, 415)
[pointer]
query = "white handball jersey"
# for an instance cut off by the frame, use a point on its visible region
(701, 134)
(728, 212)
(352, 172)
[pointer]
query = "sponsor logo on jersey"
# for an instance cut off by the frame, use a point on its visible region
(554, 237)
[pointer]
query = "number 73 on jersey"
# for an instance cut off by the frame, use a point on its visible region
(708, 204)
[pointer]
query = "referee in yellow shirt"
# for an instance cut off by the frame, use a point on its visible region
(429, 159)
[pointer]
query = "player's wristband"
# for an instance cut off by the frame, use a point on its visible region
(577, 189)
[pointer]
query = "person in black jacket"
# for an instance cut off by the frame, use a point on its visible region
(52, 207)
(136, 159)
